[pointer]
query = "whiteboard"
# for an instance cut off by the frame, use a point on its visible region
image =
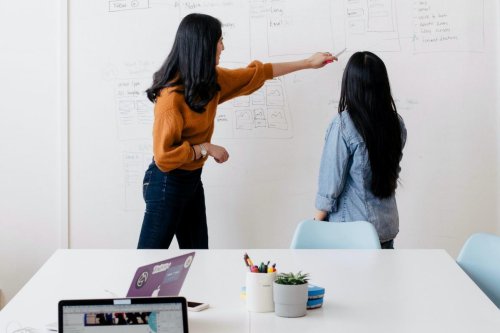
(441, 57)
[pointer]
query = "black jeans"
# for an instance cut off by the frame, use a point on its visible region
(175, 205)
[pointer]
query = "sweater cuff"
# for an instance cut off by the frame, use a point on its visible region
(268, 71)
(189, 153)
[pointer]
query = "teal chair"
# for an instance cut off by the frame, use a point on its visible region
(335, 235)
(480, 259)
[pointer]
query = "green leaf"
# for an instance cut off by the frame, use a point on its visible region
(292, 279)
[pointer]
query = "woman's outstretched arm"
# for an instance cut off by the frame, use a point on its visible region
(317, 60)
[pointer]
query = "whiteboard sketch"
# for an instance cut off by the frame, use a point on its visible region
(263, 114)
(119, 5)
(371, 25)
(441, 25)
(307, 27)
(134, 111)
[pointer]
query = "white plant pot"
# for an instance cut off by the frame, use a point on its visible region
(290, 300)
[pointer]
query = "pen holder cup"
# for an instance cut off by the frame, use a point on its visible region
(259, 290)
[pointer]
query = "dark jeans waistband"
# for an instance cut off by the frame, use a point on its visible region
(180, 172)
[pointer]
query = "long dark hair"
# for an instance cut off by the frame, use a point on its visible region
(366, 95)
(191, 62)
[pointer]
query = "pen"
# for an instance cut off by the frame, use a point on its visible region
(338, 54)
(262, 268)
(245, 258)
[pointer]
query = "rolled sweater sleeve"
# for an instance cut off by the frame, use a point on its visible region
(243, 81)
(170, 151)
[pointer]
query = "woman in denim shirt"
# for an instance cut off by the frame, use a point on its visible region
(363, 147)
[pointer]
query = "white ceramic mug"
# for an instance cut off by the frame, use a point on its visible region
(259, 290)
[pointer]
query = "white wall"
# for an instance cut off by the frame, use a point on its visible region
(30, 149)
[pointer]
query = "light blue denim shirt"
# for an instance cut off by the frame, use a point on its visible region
(345, 180)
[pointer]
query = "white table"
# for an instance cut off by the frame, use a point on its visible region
(366, 290)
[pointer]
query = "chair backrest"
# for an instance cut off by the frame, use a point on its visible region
(480, 259)
(335, 235)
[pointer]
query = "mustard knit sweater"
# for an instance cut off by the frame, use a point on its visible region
(176, 127)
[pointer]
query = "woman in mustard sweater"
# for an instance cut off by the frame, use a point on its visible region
(186, 91)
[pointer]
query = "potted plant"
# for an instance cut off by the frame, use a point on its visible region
(290, 294)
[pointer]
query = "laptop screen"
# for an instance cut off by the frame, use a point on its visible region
(136, 315)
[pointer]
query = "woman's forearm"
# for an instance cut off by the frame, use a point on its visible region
(317, 60)
(283, 68)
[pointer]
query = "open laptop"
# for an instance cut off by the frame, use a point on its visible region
(126, 315)
(163, 278)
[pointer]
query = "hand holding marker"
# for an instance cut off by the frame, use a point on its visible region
(262, 268)
(336, 56)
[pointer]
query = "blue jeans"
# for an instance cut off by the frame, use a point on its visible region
(175, 206)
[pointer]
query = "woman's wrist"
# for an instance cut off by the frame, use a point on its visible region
(203, 149)
(198, 148)
(207, 147)
(197, 153)
(308, 63)
(194, 153)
